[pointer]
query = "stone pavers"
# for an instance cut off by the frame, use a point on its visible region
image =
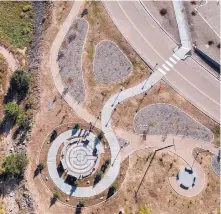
(110, 63)
(70, 59)
(162, 119)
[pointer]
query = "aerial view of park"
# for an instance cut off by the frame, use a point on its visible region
(110, 107)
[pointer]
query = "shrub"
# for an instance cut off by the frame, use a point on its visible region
(57, 194)
(76, 126)
(163, 12)
(144, 210)
(41, 166)
(100, 136)
(27, 7)
(54, 134)
(23, 121)
(98, 177)
(210, 42)
(218, 46)
(193, 2)
(14, 165)
(193, 13)
(11, 110)
(81, 203)
(19, 84)
(76, 183)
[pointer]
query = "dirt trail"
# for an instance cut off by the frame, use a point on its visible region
(12, 62)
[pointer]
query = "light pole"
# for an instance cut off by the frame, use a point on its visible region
(110, 116)
(147, 78)
(117, 97)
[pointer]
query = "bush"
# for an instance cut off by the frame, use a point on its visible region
(11, 110)
(54, 134)
(57, 194)
(23, 121)
(27, 7)
(210, 42)
(98, 177)
(163, 12)
(14, 165)
(76, 126)
(41, 166)
(144, 210)
(81, 203)
(19, 84)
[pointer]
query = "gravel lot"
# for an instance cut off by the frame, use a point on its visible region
(110, 63)
(69, 59)
(215, 164)
(158, 119)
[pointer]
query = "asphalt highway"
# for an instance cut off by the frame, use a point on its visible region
(188, 78)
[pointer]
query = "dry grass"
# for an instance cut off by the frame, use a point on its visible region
(160, 93)
(101, 27)
(155, 191)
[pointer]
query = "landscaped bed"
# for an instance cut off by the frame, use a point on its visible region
(163, 119)
(73, 201)
(110, 63)
(101, 27)
(69, 59)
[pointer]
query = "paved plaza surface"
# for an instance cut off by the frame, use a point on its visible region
(180, 148)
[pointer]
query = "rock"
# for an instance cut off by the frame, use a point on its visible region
(12, 194)
(88, 182)
(101, 198)
(46, 178)
(67, 199)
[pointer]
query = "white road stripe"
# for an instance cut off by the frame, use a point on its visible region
(172, 60)
(162, 71)
(165, 67)
(176, 57)
(169, 64)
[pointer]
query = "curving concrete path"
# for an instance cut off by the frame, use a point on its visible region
(108, 110)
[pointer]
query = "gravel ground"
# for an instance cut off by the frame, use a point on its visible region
(69, 59)
(123, 143)
(158, 119)
(110, 63)
(215, 164)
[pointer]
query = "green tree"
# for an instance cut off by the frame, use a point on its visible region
(23, 121)
(11, 110)
(14, 165)
(19, 83)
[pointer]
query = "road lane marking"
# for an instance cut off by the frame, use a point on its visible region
(169, 64)
(165, 67)
(176, 57)
(172, 60)
(163, 57)
(162, 71)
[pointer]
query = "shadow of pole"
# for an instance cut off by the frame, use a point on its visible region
(151, 160)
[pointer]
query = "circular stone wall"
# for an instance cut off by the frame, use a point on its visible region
(110, 63)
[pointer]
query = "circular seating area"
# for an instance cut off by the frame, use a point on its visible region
(187, 178)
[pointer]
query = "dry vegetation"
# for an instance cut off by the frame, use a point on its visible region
(4, 80)
(156, 193)
(160, 93)
(101, 27)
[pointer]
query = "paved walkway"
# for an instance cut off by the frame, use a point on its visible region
(183, 148)
(185, 49)
(108, 110)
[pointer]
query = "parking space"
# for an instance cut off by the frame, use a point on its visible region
(210, 12)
